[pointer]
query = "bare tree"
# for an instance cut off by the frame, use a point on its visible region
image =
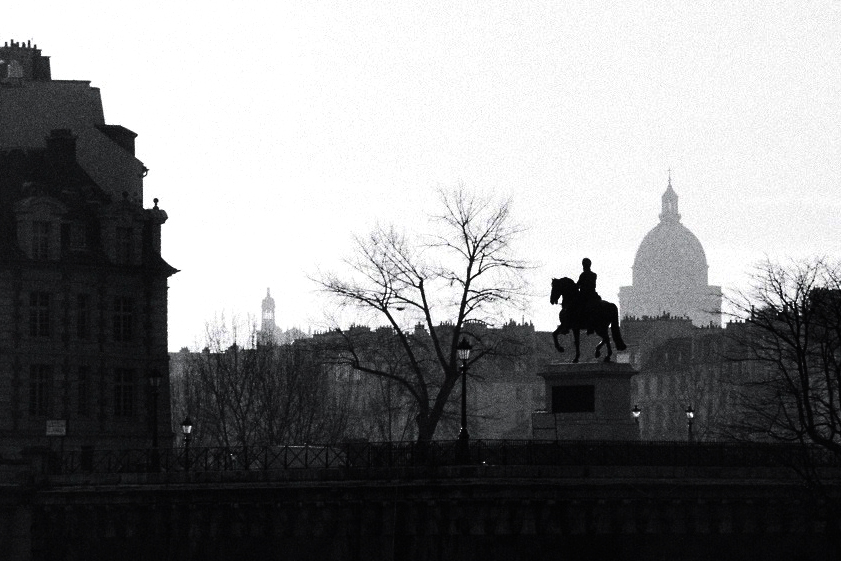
(386, 410)
(791, 346)
(445, 285)
(789, 353)
(239, 391)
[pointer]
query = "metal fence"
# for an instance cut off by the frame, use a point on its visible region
(355, 455)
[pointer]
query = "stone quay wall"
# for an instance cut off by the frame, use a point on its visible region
(453, 513)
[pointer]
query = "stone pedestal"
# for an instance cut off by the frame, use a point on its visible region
(589, 401)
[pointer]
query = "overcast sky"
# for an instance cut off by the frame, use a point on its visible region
(273, 131)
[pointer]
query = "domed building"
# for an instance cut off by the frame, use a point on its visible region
(670, 273)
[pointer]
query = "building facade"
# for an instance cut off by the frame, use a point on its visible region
(681, 365)
(503, 389)
(83, 286)
(670, 273)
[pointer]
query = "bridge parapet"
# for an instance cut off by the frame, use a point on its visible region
(599, 502)
(448, 512)
(371, 457)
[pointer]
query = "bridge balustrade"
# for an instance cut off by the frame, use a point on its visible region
(368, 455)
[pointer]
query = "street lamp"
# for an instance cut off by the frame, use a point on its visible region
(690, 414)
(463, 350)
(186, 429)
(155, 383)
(636, 413)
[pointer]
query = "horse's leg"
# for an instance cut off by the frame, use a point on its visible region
(555, 339)
(606, 340)
(599, 346)
(576, 335)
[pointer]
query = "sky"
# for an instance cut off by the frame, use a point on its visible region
(276, 131)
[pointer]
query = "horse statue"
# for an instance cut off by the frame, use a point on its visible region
(598, 315)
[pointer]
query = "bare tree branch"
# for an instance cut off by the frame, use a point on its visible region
(792, 316)
(464, 272)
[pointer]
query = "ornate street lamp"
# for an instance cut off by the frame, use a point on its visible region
(636, 413)
(690, 414)
(186, 429)
(155, 383)
(463, 350)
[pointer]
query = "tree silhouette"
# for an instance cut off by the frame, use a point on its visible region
(789, 351)
(240, 391)
(429, 292)
(792, 341)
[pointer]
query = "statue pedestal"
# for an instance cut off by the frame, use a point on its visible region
(587, 401)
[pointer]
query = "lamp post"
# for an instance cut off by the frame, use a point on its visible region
(463, 351)
(186, 429)
(690, 414)
(155, 383)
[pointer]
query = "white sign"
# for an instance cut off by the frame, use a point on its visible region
(57, 427)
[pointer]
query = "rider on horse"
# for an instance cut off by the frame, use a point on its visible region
(583, 308)
(587, 293)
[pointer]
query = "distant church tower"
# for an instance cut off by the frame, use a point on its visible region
(670, 273)
(267, 327)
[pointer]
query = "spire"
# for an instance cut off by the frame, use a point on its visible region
(669, 201)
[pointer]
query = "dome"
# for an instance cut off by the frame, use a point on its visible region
(670, 257)
(670, 273)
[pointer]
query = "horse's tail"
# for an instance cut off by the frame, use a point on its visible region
(615, 332)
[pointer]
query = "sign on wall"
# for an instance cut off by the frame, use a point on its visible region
(56, 427)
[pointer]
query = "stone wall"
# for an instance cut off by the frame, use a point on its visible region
(459, 513)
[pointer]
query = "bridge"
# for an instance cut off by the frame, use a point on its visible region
(511, 500)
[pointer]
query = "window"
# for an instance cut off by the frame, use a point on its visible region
(83, 316)
(573, 399)
(14, 70)
(41, 240)
(39, 314)
(123, 318)
(123, 392)
(86, 458)
(82, 399)
(39, 389)
(125, 245)
(78, 236)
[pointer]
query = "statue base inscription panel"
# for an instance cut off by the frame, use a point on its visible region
(586, 401)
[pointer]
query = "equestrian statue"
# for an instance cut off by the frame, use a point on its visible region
(583, 308)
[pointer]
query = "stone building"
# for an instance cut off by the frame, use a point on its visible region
(32, 104)
(83, 286)
(670, 273)
(503, 389)
(681, 365)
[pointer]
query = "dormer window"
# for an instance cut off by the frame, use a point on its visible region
(41, 232)
(14, 70)
(40, 227)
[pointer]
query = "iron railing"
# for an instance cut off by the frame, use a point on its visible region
(355, 455)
